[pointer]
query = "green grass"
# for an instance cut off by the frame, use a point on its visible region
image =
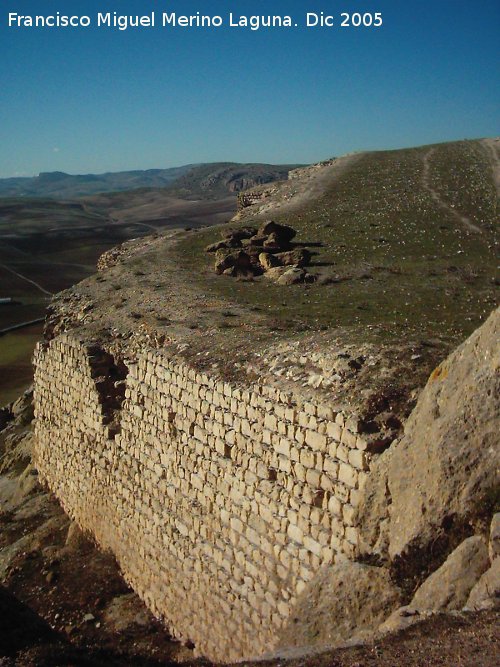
(16, 350)
(404, 265)
(459, 171)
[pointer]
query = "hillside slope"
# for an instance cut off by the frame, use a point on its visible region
(404, 242)
(48, 243)
(211, 179)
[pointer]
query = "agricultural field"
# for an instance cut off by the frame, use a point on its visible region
(47, 245)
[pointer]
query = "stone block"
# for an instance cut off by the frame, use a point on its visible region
(347, 475)
(316, 441)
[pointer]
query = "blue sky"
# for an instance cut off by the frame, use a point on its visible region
(95, 100)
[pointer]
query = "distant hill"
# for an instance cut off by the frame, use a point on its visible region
(219, 178)
(59, 185)
(207, 179)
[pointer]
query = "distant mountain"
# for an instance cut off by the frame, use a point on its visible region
(59, 185)
(198, 180)
(219, 178)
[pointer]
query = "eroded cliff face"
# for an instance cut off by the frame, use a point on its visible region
(433, 485)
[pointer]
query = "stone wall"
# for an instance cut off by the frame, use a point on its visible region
(219, 502)
(254, 196)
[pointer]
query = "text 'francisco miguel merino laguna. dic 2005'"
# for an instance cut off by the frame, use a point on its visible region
(172, 20)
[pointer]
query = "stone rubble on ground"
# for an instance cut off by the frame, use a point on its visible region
(247, 252)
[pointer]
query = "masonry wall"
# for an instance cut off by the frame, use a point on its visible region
(220, 503)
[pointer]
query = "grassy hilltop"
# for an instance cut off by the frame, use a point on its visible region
(408, 245)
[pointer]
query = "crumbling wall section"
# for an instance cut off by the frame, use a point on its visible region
(219, 502)
(254, 196)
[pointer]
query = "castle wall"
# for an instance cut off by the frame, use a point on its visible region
(220, 503)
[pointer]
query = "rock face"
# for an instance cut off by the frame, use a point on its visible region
(437, 476)
(495, 537)
(449, 587)
(486, 593)
(343, 600)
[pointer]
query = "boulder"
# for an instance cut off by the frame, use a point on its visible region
(296, 275)
(232, 239)
(296, 257)
(274, 274)
(486, 593)
(23, 407)
(240, 233)
(435, 479)
(220, 245)
(448, 588)
(292, 276)
(240, 272)
(283, 233)
(257, 240)
(273, 244)
(495, 536)
(238, 261)
(268, 261)
(341, 601)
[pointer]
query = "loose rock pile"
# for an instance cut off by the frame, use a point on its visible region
(247, 252)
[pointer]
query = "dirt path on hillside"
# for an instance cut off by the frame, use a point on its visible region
(426, 182)
(493, 148)
(297, 192)
(28, 280)
(150, 228)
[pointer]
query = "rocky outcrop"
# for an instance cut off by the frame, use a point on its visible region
(495, 536)
(486, 593)
(432, 483)
(16, 434)
(449, 587)
(343, 600)
(247, 252)
(468, 580)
